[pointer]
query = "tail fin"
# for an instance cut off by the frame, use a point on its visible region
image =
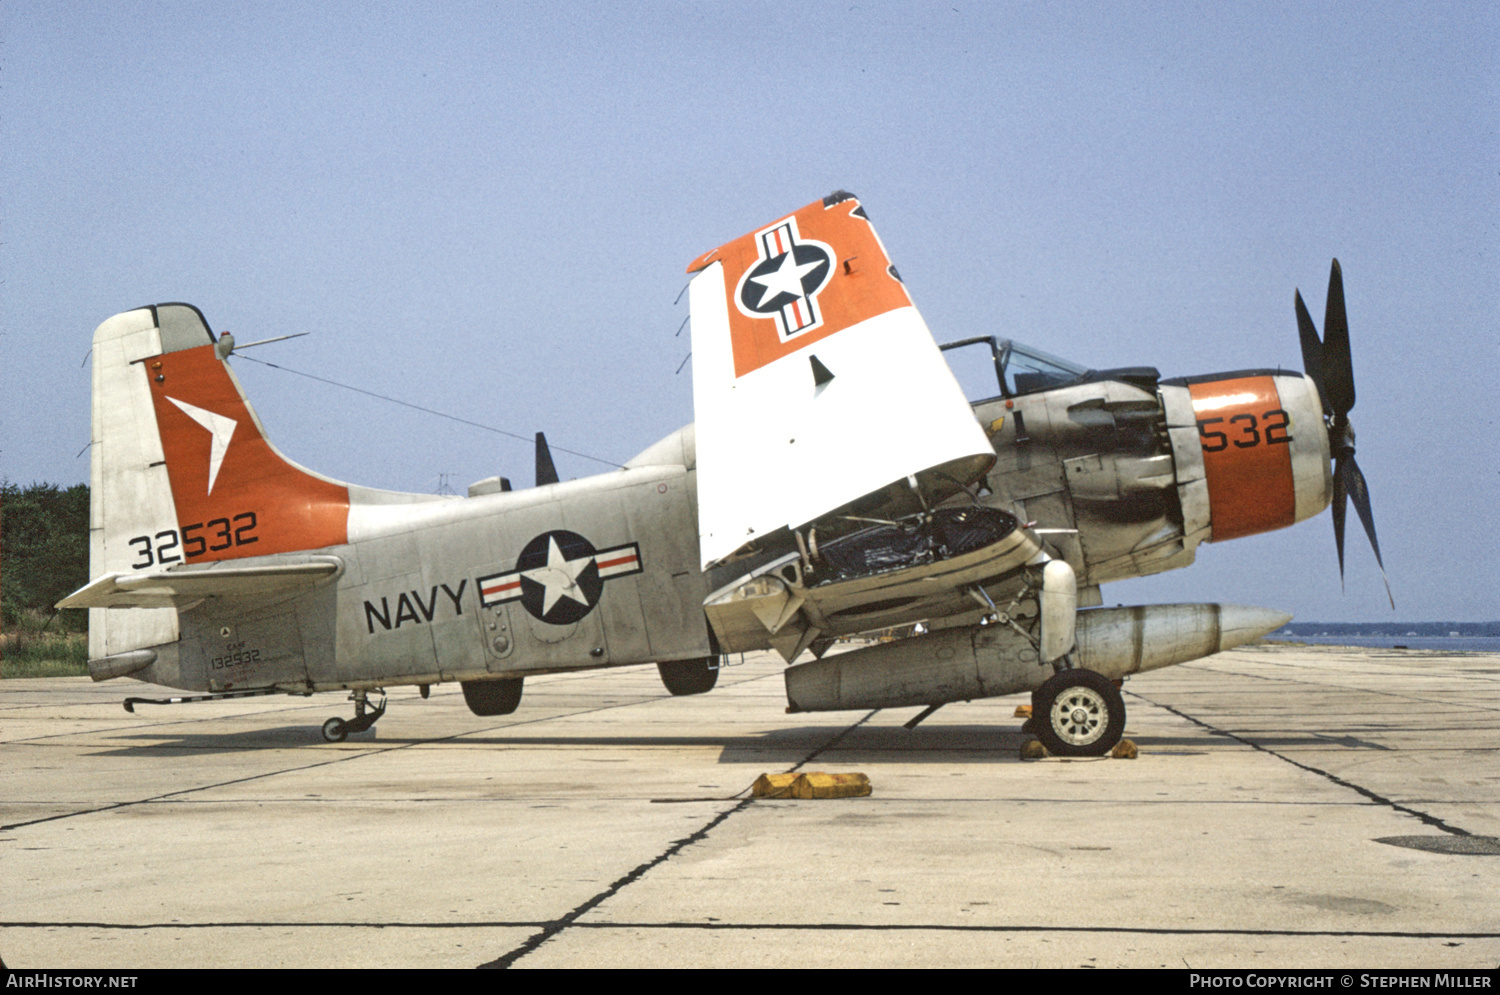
(182, 471)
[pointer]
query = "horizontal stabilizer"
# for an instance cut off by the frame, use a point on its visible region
(183, 587)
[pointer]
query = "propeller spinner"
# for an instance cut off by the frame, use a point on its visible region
(1327, 362)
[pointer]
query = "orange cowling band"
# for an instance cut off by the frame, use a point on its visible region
(1246, 438)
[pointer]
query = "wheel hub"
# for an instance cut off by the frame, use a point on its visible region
(1078, 716)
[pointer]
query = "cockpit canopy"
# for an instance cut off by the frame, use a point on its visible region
(1019, 369)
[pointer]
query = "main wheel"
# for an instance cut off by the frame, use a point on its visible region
(1079, 713)
(335, 729)
(500, 697)
(690, 676)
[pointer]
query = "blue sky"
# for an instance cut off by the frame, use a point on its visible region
(487, 209)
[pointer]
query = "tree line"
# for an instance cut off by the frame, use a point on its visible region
(44, 551)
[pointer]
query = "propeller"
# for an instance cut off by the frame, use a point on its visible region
(1326, 361)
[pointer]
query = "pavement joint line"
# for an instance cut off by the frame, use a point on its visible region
(947, 929)
(167, 795)
(835, 740)
(140, 726)
(907, 802)
(347, 757)
(1323, 685)
(1430, 820)
(556, 926)
(304, 703)
(1409, 934)
(134, 726)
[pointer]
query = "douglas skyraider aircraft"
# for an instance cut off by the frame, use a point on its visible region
(835, 482)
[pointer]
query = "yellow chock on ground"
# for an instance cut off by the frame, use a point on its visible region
(773, 785)
(1023, 711)
(1125, 750)
(831, 786)
(1033, 749)
(813, 785)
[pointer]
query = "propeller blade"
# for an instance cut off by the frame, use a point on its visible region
(1355, 487)
(1327, 363)
(1339, 507)
(1338, 369)
(1312, 351)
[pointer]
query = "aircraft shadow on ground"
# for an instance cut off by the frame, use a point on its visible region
(938, 743)
(783, 746)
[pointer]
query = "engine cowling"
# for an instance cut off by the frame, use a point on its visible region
(1251, 450)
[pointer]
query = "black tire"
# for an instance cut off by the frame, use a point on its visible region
(335, 729)
(690, 676)
(498, 697)
(1079, 713)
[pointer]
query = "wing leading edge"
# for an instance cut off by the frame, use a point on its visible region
(815, 380)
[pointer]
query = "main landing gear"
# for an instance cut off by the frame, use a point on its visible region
(689, 676)
(493, 697)
(1078, 713)
(335, 729)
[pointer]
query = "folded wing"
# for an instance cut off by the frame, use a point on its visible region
(815, 380)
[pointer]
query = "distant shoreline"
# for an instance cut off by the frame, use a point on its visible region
(1442, 644)
(1468, 630)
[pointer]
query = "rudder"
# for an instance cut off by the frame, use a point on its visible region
(181, 471)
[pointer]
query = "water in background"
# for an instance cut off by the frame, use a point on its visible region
(1443, 644)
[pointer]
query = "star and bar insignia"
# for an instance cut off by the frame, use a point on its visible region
(559, 576)
(786, 282)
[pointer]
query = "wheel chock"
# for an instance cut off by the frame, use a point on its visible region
(1033, 749)
(773, 785)
(831, 786)
(812, 785)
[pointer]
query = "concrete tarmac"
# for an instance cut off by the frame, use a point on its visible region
(1291, 807)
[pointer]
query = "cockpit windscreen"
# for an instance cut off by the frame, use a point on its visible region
(1011, 366)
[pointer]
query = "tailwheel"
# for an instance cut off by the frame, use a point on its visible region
(1079, 713)
(363, 720)
(336, 729)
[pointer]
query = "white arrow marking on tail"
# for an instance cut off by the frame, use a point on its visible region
(220, 427)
